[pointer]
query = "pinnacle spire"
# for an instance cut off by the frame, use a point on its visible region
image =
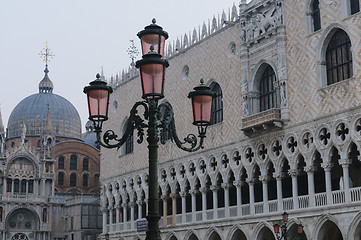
(48, 129)
(46, 85)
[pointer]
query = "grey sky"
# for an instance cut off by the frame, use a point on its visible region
(84, 35)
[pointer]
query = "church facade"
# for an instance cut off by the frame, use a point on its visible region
(285, 133)
(49, 176)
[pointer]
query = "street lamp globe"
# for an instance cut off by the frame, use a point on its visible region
(201, 104)
(98, 101)
(152, 74)
(153, 35)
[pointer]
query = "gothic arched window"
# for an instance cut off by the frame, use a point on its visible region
(73, 180)
(73, 162)
(268, 96)
(217, 104)
(61, 162)
(129, 144)
(61, 179)
(355, 6)
(45, 215)
(316, 17)
(339, 58)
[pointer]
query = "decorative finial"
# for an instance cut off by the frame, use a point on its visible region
(98, 76)
(47, 55)
(132, 52)
(202, 81)
(151, 48)
(154, 21)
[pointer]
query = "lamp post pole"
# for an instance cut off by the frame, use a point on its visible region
(156, 117)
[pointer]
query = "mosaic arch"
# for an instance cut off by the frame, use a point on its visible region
(22, 223)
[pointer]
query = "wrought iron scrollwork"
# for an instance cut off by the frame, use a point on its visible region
(165, 118)
(168, 124)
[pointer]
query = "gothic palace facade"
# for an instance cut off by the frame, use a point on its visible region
(286, 129)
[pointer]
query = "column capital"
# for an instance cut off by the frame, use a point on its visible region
(183, 194)
(345, 162)
(124, 205)
(104, 210)
(238, 183)
(132, 204)
(173, 195)
(214, 188)
(164, 197)
(309, 169)
(226, 185)
(139, 202)
(250, 181)
(327, 166)
(264, 178)
(193, 192)
(293, 172)
(278, 175)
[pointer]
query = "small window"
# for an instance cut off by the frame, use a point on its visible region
(61, 179)
(85, 164)
(339, 58)
(85, 180)
(316, 16)
(31, 186)
(129, 144)
(45, 215)
(355, 6)
(16, 185)
(61, 162)
(73, 180)
(217, 104)
(268, 94)
(23, 186)
(8, 184)
(73, 162)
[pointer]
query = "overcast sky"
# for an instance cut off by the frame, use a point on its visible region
(84, 35)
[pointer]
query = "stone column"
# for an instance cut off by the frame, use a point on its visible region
(53, 187)
(36, 187)
(264, 179)
(125, 215)
(345, 163)
(183, 195)
(203, 191)
(327, 168)
(110, 219)
(294, 173)
(250, 182)
(193, 194)
(238, 185)
(278, 176)
(27, 187)
(311, 184)
(104, 211)
(226, 187)
(132, 205)
(42, 187)
(5, 186)
(117, 217)
(214, 189)
(140, 209)
(165, 210)
(12, 187)
(174, 207)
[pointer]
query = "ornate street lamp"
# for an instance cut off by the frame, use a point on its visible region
(284, 231)
(159, 117)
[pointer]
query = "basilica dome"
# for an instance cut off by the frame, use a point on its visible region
(32, 112)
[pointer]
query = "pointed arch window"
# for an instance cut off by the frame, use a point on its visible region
(217, 104)
(73, 162)
(355, 6)
(73, 180)
(316, 16)
(129, 144)
(268, 96)
(61, 179)
(339, 58)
